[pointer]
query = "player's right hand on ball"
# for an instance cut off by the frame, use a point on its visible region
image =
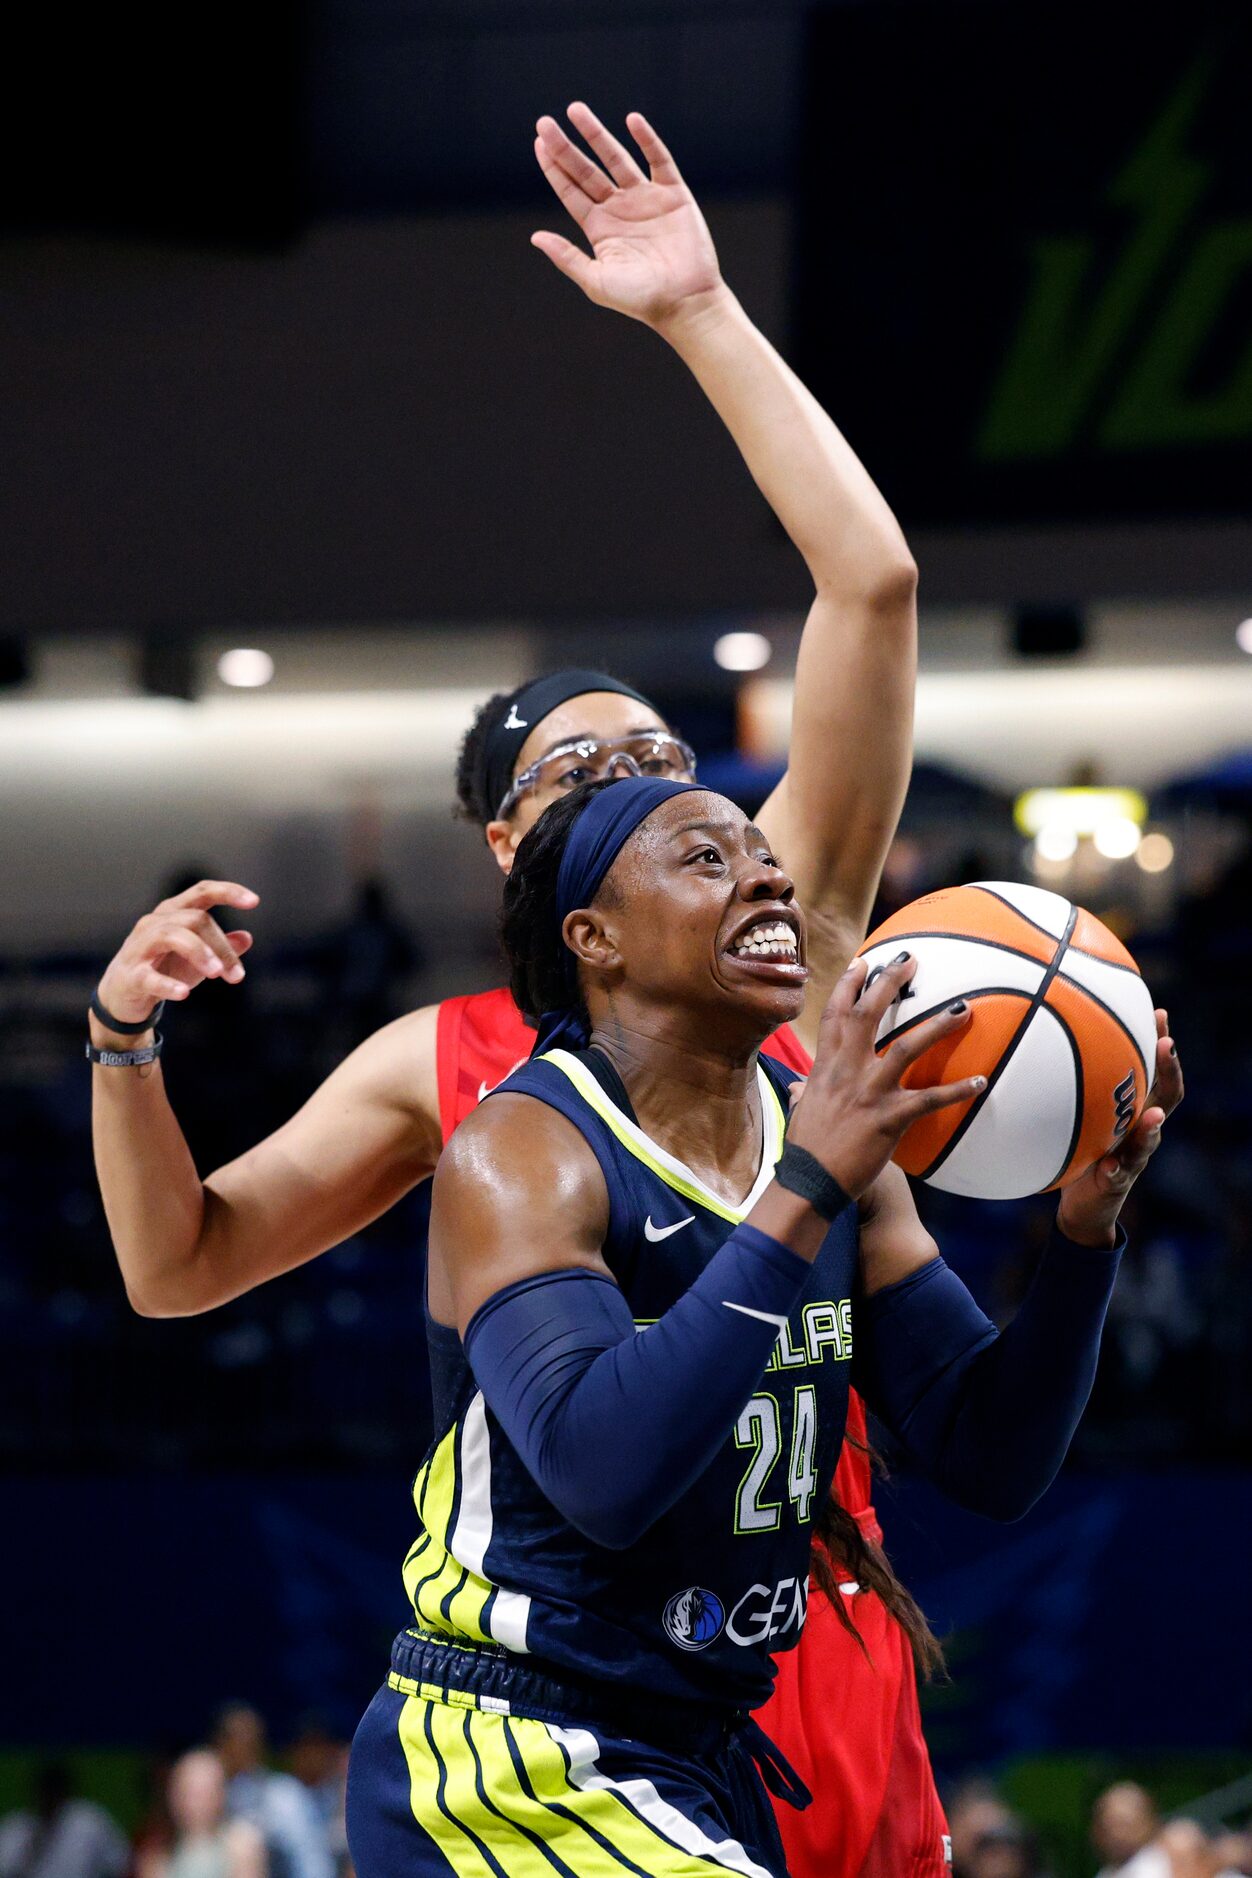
(175, 948)
(854, 1110)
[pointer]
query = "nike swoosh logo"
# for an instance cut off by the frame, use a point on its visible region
(513, 721)
(766, 1317)
(657, 1233)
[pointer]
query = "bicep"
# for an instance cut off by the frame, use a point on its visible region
(361, 1141)
(518, 1193)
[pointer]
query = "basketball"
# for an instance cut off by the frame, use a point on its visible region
(1062, 1027)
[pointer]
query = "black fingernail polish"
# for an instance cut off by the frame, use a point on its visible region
(901, 958)
(955, 1010)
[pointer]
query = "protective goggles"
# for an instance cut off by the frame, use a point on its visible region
(591, 759)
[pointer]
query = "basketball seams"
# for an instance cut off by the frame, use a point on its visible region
(1080, 1098)
(975, 1108)
(979, 886)
(1093, 997)
(945, 1004)
(1115, 965)
(966, 938)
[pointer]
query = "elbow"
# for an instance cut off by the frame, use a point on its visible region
(613, 1525)
(169, 1298)
(894, 588)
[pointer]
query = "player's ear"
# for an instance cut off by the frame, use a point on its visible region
(585, 935)
(503, 839)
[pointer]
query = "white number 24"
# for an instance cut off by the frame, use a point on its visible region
(760, 1428)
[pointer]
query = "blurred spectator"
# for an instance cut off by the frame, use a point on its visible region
(974, 1810)
(320, 1763)
(1008, 1850)
(1192, 1854)
(276, 1804)
(60, 1836)
(371, 957)
(1124, 1826)
(207, 1844)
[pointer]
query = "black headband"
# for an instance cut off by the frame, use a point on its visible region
(503, 742)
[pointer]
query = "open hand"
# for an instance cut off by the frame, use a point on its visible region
(652, 255)
(174, 948)
(854, 1110)
(1089, 1208)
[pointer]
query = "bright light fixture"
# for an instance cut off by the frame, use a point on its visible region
(1082, 810)
(743, 652)
(245, 666)
(1243, 635)
(1116, 837)
(1056, 841)
(1155, 852)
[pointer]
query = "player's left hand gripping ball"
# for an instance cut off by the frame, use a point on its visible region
(1089, 1208)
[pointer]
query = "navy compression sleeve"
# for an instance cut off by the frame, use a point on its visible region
(612, 1423)
(989, 1416)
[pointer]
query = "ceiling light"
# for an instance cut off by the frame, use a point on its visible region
(1083, 810)
(742, 652)
(1116, 837)
(1243, 635)
(1056, 841)
(1155, 852)
(245, 666)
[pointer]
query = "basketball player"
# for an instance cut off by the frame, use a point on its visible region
(628, 1241)
(186, 1245)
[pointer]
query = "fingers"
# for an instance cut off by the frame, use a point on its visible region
(1167, 1089)
(905, 1051)
(563, 153)
(208, 893)
(943, 1095)
(202, 958)
(616, 159)
(564, 255)
(883, 987)
(842, 1000)
(570, 193)
(661, 164)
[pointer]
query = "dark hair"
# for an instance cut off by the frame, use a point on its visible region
(538, 980)
(838, 1540)
(533, 946)
(471, 802)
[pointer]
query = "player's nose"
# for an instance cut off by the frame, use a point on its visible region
(765, 880)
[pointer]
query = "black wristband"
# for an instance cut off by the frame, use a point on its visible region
(127, 1059)
(802, 1173)
(115, 1023)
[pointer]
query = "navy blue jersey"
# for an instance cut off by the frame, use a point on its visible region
(695, 1607)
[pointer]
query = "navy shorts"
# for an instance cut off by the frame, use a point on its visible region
(469, 1763)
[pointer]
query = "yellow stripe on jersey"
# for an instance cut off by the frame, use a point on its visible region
(431, 1573)
(663, 1165)
(491, 1791)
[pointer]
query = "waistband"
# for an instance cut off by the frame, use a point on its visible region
(501, 1683)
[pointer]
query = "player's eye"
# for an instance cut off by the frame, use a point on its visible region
(575, 774)
(706, 854)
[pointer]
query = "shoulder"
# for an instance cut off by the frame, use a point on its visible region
(514, 1146)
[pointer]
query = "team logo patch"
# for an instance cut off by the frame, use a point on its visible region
(694, 1618)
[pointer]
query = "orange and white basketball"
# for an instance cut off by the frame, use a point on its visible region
(1062, 1027)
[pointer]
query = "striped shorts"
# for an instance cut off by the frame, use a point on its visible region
(468, 1763)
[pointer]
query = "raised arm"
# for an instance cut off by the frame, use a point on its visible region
(362, 1140)
(833, 815)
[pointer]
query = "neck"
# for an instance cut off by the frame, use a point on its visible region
(698, 1100)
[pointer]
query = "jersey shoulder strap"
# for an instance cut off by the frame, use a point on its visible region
(549, 1083)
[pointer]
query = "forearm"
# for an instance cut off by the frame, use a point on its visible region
(989, 1417)
(564, 1371)
(803, 466)
(154, 1199)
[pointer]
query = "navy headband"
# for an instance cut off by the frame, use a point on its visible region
(503, 742)
(595, 841)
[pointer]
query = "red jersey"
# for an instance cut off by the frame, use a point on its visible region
(848, 1722)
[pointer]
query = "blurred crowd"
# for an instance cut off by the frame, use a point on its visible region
(220, 1810)
(1129, 1839)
